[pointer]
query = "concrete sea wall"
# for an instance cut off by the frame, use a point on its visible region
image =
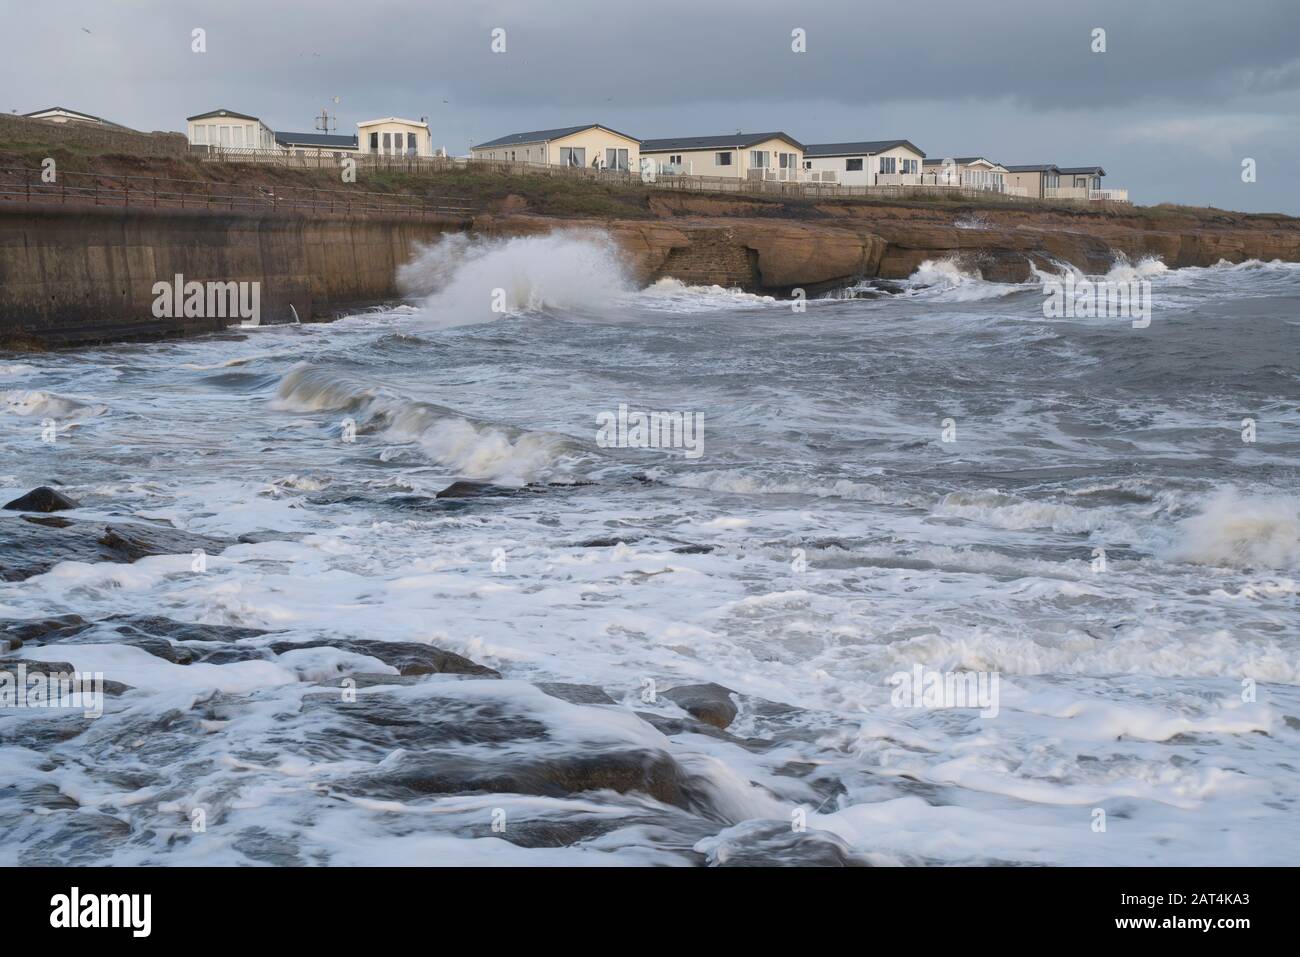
(84, 274)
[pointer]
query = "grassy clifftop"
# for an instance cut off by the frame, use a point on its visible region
(563, 196)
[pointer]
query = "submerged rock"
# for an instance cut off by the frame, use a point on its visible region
(43, 499)
(610, 542)
(31, 545)
(408, 657)
(160, 637)
(133, 542)
(367, 679)
(52, 669)
(775, 843)
(710, 703)
(463, 489)
(694, 549)
(575, 694)
(621, 770)
(432, 738)
(160, 627)
(19, 631)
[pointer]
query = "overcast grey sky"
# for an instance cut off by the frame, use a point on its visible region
(1184, 92)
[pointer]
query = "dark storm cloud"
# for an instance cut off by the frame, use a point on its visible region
(1016, 79)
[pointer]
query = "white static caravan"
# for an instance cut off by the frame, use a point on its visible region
(768, 156)
(866, 163)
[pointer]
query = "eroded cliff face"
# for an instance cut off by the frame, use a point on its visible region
(86, 274)
(845, 245)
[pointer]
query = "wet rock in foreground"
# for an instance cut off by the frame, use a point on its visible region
(185, 643)
(710, 703)
(623, 771)
(130, 542)
(32, 546)
(159, 627)
(53, 669)
(434, 739)
(160, 637)
(575, 693)
(408, 657)
(18, 632)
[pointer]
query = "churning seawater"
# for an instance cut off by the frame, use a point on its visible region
(1097, 534)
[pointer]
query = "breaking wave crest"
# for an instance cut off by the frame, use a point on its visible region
(471, 448)
(465, 280)
(1241, 531)
(948, 280)
(1123, 269)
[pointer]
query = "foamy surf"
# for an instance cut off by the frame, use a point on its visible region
(1043, 502)
(35, 402)
(674, 295)
(948, 280)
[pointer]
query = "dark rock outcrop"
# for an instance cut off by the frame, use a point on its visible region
(43, 499)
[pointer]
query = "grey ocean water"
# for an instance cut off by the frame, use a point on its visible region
(1098, 535)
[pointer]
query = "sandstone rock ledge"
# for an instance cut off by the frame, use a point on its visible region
(776, 255)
